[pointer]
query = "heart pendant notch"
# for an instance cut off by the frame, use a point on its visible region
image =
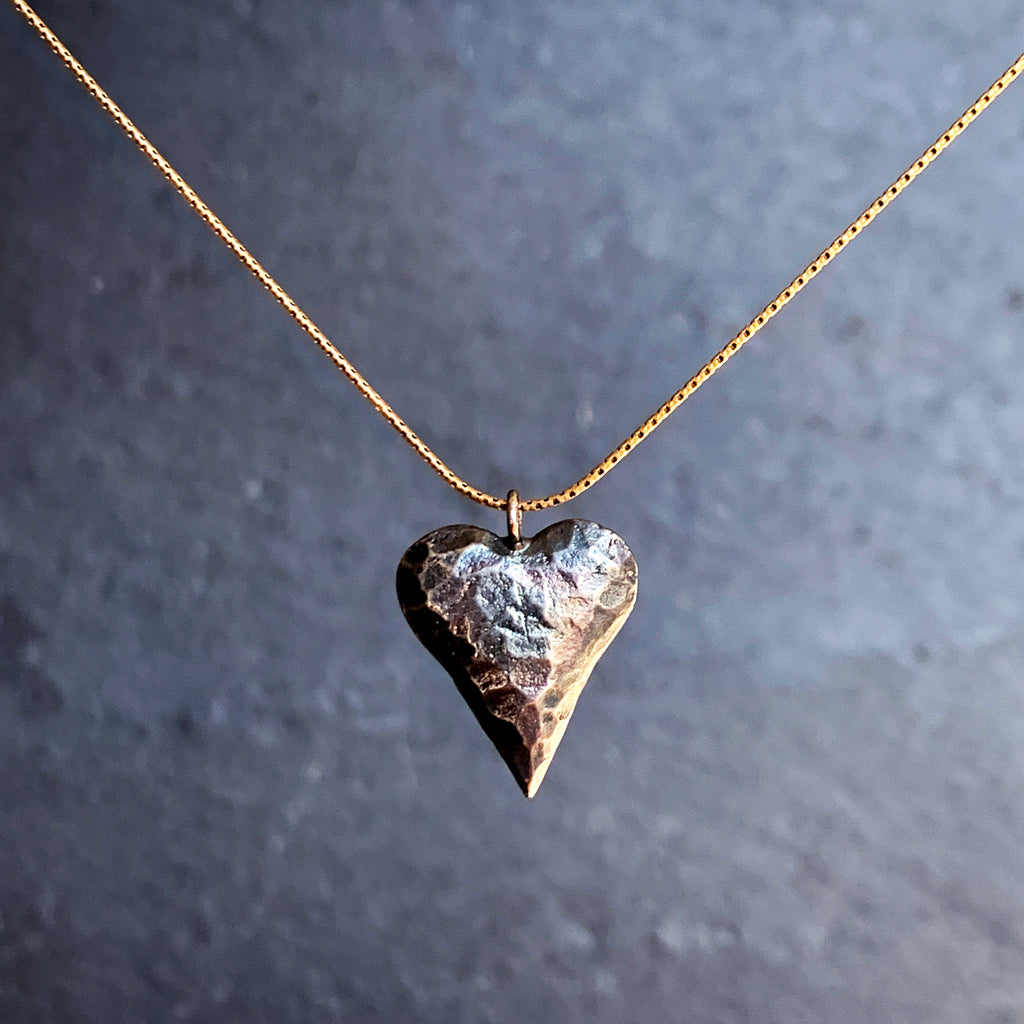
(519, 625)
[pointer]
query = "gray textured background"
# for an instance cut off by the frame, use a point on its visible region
(232, 786)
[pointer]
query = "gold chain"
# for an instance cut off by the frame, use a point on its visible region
(371, 395)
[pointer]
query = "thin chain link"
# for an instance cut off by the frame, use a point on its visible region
(425, 452)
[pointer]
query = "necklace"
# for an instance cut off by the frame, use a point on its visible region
(518, 622)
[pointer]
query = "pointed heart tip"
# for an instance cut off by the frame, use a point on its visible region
(531, 785)
(527, 781)
(527, 762)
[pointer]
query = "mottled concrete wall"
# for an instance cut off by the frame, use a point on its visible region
(233, 788)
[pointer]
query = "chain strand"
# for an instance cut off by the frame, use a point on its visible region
(364, 387)
(716, 362)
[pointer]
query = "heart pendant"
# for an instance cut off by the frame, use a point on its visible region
(519, 626)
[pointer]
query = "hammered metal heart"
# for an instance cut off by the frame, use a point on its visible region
(519, 627)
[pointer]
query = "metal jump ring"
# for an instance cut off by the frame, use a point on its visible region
(515, 516)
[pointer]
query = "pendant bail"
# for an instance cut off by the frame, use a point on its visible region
(515, 516)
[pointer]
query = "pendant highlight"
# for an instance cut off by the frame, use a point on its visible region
(519, 626)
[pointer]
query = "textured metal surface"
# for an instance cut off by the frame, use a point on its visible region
(519, 627)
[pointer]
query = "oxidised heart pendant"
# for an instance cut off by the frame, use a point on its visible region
(519, 626)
